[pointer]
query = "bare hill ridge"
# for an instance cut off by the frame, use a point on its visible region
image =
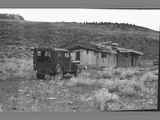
(11, 17)
(17, 35)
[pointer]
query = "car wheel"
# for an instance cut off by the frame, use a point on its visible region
(40, 76)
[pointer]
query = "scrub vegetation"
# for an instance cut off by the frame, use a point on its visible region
(92, 89)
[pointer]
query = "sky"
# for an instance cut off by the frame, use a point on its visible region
(146, 18)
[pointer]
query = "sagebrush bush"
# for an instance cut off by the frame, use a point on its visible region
(123, 87)
(107, 75)
(117, 72)
(102, 96)
(149, 76)
(127, 91)
(128, 73)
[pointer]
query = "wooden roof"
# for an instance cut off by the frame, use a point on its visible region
(82, 45)
(49, 48)
(101, 48)
(90, 46)
(124, 50)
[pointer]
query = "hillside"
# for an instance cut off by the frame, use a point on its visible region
(18, 35)
(11, 17)
(91, 90)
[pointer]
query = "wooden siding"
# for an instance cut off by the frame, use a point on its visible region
(124, 60)
(108, 61)
(127, 60)
(135, 60)
(89, 57)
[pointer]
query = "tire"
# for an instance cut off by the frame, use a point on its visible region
(59, 72)
(40, 76)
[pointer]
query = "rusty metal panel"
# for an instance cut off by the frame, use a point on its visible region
(46, 61)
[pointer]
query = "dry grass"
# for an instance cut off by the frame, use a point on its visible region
(102, 96)
(110, 89)
(16, 69)
(122, 83)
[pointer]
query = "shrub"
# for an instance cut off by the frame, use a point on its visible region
(117, 73)
(128, 91)
(131, 88)
(123, 87)
(107, 75)
(127, 73)
(114, 106)
(149, 76)
(102, 96)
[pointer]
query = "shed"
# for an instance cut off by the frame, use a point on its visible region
(128, 57)
(106, 54)
(93, 55)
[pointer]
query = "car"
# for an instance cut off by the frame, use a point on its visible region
(53, 61)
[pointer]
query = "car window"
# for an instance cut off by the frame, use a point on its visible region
(48, 54)
(38, 53)
(67, 55)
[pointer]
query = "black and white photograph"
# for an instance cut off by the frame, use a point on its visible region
(78, 60)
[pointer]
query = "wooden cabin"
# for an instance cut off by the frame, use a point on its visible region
(104, 55)
(93, 55)
(128, 57)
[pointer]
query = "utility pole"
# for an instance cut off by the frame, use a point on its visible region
(158, 99)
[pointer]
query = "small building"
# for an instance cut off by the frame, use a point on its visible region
(111, 56)
(128, 57)
(92, 55)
